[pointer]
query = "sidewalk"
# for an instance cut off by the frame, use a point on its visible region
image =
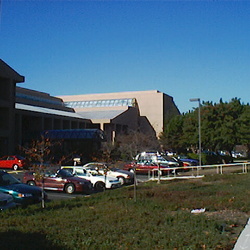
(243, 241)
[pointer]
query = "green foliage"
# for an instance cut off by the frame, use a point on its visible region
(244, 128)
(223, 126)
(160, 219)
(174, 131)
(208, 159)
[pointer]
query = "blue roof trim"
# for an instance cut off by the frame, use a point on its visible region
(74, 134)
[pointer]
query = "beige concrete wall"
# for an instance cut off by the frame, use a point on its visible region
(129, 118)
(153, 104)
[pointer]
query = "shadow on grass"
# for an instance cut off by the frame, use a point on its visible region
(17, 240)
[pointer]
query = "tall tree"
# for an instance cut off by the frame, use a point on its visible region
(220, 125)
(190, 138)
(171, 138)
(223, 125)
(244, 127)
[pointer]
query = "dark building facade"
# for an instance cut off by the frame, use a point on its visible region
(8, 80)
(25, 113)
(37, 111)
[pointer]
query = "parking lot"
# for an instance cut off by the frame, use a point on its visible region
(54, 195)
(192, 173)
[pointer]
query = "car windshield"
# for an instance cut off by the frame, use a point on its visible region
(168, 158)
(182, 157)
(95, 173)
(19, 157)
(113, 169)
(96, 166)
(7, 179)
(64, 173)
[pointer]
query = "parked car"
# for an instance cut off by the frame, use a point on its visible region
(22, 193)
(156, 157)
(210, 157)
(125, 177)
(146, 167)
(60, 180)
(99, 181)
(6, 201)
(13, 161)
(188, 161)
(118, 171)
(237, 154)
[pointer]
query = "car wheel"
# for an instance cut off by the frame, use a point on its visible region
(31, 183)
(99, 186)
(121, 179)
(15, 167)
(70, 188)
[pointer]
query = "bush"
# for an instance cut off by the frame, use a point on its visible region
(211, 158)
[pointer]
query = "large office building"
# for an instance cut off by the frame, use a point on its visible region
(144, 111)
(26, 113)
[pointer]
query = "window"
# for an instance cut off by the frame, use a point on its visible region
(102, 103)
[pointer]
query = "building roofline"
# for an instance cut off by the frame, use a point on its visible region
(100, 95)
(7, 72)
(25, 107)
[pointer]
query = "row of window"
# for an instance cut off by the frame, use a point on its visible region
(39, 99)
(101, 103)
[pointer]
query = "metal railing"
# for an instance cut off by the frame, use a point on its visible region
(198, 171)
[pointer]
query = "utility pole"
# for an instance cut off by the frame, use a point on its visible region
(199, 124)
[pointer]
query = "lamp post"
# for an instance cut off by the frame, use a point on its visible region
(199, 122)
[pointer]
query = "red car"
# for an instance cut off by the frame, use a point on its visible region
(62, 180)
(146, 167)
(13, 161)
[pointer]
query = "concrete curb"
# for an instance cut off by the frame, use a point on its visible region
(243, 241)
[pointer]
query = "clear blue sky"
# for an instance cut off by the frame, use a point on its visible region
(186, 49)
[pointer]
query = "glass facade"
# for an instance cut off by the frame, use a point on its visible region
(39, 99)
(102, 103)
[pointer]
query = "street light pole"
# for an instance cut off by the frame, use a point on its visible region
(199, 122)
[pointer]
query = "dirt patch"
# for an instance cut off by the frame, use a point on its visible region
(235, 221)
(230, 215)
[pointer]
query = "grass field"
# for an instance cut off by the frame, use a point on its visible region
(159, 218)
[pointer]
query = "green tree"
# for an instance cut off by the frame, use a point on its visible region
(223, 125)
(190, 136)
(220, 125)
(171, 137)
(244, 127)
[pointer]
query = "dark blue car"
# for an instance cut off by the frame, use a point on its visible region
(22, 194)
(188, 161)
